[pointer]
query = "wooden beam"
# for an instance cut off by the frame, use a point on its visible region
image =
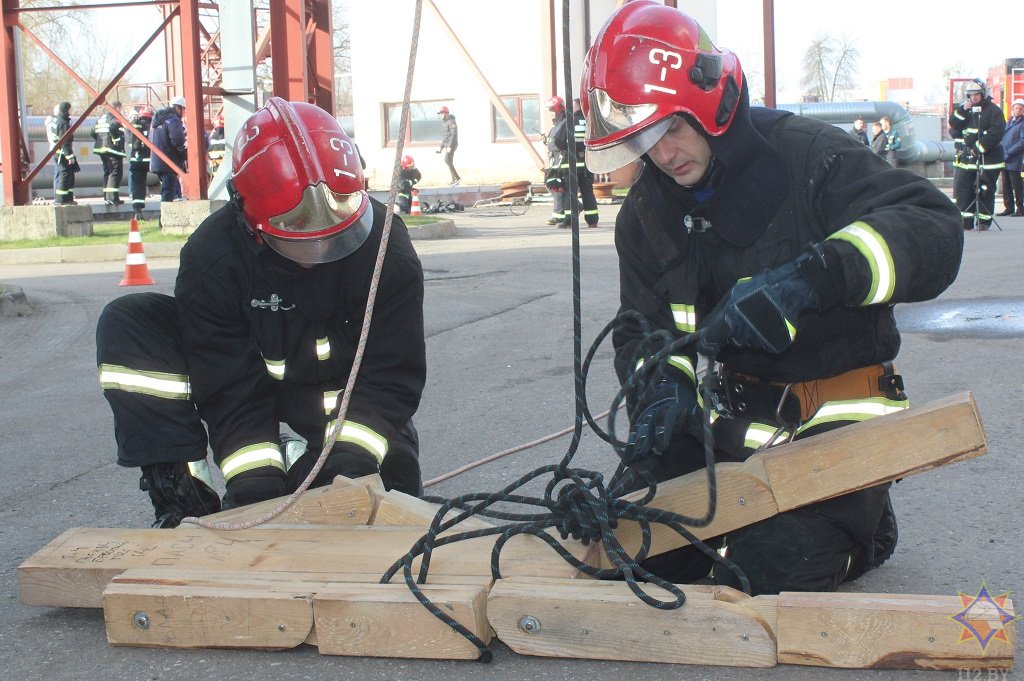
(605, 621)
(341, 503)
(821, 467)
(206, 617)
(858, 631)
(73, 569)
(721, 626)
(386, 620)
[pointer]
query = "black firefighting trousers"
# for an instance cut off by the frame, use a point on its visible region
(812, 548)
(158, 422)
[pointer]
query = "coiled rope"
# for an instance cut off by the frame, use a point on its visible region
(576, 502)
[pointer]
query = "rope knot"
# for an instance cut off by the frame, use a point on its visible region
(582, 509)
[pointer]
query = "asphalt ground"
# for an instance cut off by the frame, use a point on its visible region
(500, 373)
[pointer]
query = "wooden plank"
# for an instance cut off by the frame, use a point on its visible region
(796, 474)
(396, 508)
(275, 581)
(884, 631)
(605, 621)
(206, 617)
(72, 570)
(875, 451)
(340, 503)
(386, 620)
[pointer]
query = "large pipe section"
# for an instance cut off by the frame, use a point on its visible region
(913, 150)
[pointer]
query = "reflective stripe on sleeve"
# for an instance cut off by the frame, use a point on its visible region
(685, 317)
(684, 364)
(323, 348)
(872, 246)
(251, 457)
(275, 367)
(358, 434)
(156, 383)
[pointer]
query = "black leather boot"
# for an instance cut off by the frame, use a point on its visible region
(176, 493)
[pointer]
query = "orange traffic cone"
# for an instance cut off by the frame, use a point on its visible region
(414, 209)
(135, 271)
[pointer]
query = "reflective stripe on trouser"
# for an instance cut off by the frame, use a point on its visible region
(965, 182)
(808, 548)
(250, 457)
(144, 378)
(356, 433)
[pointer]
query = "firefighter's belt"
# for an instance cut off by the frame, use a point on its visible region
(791, 403)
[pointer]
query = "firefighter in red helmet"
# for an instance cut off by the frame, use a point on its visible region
(776, 246)
(408, 176)
(262, 330)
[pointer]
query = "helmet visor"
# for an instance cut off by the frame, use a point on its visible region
(628, 149)
(323, 227)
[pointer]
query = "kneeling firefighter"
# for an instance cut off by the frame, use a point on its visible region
(262, 331)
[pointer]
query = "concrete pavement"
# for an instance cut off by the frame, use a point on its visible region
(498, 311)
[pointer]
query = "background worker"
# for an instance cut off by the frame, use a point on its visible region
(408, 176)
(556, 174)
(168, 135)
(1013, 152)
(216, 147)
(262, 331)
(859, 132)
(449, 141)
(108, 144)
(722, 240)
(65, 163)
(976, 126)
(138, 160)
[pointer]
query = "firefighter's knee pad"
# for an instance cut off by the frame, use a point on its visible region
(258, 484)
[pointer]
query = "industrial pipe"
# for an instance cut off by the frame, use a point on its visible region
(912, 149)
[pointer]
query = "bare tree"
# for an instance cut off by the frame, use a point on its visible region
(71, 35)
(830, 68)
(342, 47)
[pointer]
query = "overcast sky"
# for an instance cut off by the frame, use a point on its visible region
(899, 38)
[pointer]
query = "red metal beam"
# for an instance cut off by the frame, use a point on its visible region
(15, 191)
(288, 49)
(193, 183)
(768, 21)
(321, 56)
(98, 97)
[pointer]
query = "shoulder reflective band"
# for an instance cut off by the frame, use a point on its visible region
(156, 383)
(323, 348)
(684, 316)
(358, 434)
(248, 458)
(874, 249)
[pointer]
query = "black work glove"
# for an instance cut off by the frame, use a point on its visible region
(762, 312)
(671, 411)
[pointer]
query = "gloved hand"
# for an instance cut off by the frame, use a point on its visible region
(762, 312)
(75, 167)
(671, 411)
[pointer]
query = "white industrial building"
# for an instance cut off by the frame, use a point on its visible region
(511, 47)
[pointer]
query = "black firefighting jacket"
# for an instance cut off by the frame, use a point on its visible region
(268, 341)
(888, 236)
(981, 132)
(108, 135)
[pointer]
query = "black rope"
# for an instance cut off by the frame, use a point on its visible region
(577, 503)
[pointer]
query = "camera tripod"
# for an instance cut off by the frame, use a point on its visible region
(976, 203)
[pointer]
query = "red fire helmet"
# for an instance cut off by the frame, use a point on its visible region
(407, 162)
(443, 110)
(556, 104)
(649, 63)
(301, 182)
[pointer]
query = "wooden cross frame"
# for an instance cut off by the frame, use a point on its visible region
(313, 575)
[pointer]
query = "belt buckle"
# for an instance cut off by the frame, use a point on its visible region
(718, 391)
